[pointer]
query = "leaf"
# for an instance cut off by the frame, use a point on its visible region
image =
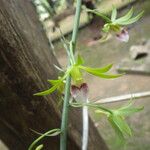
(52, 132)
(46, 92)
(98, 70)
(38, 133)
(100, 111)
(80, 60)
(114, 14)
(122, 125)
(118, 122)
(107, 76)
(117, 130)
(128, 110)
(39, 147)
(76, 104)
(124, 18)
(132, 20)
(98, 107)
(99, 14)
(106, 27)
(58, 68)
(104, 38)
(54, 82)
(57, 84)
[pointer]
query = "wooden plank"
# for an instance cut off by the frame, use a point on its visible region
(26, 62)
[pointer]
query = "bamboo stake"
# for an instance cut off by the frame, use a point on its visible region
(122, 97)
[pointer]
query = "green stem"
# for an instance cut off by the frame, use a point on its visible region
(64, 122)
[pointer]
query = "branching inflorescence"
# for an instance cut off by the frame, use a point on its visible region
(73, 84)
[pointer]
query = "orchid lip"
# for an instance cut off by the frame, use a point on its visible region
(80, 93)
(123, 36)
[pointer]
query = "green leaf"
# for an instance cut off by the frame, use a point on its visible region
(106, 76)
(80, 60)
(58, 68)
(118, 122)
(100, 111)
(76, 104)
(46, 92)
(57, 84)
(100, 15)
(54, 82)
(38, 133)
(124, 18)
(122, 125)
(52, 132)
(117, 130)
(128, 110)
(39, 147)
(132, 20)
(98, 107)
(106, 27)
(104, 38)
(98, 70)
(114, 14)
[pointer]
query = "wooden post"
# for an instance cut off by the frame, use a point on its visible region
(26, 62)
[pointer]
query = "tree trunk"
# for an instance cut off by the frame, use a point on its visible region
(26, 62)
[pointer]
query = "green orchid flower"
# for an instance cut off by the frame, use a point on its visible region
(116, 25)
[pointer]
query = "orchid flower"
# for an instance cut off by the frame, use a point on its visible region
(117, 26)
(75, 71)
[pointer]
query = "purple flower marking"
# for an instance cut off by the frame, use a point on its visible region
(80, 93)
(123, 36)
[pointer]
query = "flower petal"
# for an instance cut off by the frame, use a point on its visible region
(74, 91)
(80, 94)
(123, 36)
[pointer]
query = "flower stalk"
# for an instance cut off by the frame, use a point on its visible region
(64, 122)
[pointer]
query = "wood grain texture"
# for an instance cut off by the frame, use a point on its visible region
(26, 62)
